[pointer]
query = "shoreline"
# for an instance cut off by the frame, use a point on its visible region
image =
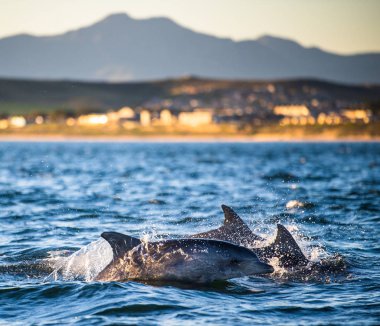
(183, 138)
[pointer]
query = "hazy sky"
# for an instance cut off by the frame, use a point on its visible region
(343, 26)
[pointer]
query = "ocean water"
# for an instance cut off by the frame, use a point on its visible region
(57, 198)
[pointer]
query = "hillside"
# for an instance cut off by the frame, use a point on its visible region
(23, 96)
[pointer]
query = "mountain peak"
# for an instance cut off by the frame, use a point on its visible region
(115, 19)
(118, 22)
(274, 41)
(120, 16)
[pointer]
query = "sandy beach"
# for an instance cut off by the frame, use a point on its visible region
(184, 138)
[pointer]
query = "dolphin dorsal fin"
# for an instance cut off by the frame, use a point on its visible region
(232, 218)
(233, 230)
(285, 245)
(120, 243)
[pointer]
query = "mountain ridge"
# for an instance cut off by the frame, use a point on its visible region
(121, 48)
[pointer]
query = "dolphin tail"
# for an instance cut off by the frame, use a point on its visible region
(120, 243)
(286, 249)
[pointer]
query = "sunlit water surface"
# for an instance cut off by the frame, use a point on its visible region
(57, 198)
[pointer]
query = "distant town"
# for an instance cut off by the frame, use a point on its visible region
(129, 118)
(190, 106)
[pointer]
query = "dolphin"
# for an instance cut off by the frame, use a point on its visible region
(284, 247)
(180, 260)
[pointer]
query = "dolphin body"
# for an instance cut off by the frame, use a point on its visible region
(284, 247)
(181, 260)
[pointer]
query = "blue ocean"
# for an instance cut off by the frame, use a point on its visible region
(56, 199)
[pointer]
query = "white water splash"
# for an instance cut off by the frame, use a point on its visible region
(278, 270)
(86, 263)
(313, 251)
(317, 253)
(291, 204)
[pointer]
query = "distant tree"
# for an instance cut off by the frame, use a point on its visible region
(89, 110)
(34, 114)
(58, 116)
(374, 106)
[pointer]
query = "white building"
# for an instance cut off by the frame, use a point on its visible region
(196, 118)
